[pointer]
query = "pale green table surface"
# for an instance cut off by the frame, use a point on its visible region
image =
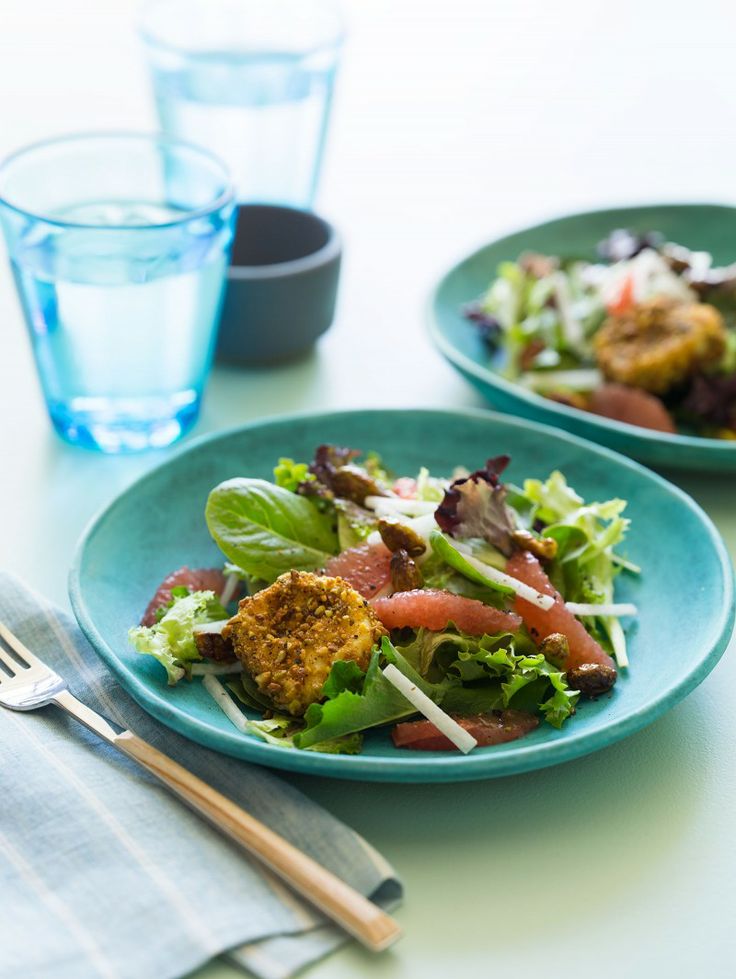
(453, 123)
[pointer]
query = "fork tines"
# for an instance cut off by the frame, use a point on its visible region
(18, 658)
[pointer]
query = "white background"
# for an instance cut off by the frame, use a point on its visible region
(453, 122)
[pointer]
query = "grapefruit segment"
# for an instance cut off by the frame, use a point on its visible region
(631, 405)
(367, 568)
(433, 609)
(541, 623)
(497, 727)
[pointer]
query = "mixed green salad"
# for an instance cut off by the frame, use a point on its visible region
(456, 611)
(645, 335)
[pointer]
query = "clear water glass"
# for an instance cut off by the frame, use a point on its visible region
(119, 246)
(251, 80)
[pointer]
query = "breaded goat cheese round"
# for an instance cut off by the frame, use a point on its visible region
(289, 635)
(660, 343)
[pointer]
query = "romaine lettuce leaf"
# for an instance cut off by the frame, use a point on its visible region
(170, 640)
(267, 530)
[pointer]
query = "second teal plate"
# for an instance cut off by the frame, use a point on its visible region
(707, 227)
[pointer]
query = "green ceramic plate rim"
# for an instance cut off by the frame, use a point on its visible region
(494, 379)
(511, 759)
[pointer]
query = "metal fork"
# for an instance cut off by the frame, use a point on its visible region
(27, 683)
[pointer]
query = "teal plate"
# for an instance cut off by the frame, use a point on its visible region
(685, 594)
(706, 227)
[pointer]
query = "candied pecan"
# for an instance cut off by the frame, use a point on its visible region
(591, 679)
(544, 548)
(405, 574)
(396, 536)
(555, 648)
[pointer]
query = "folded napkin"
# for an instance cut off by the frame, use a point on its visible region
(104, 874)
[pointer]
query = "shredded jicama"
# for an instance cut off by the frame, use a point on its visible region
(618, 641)
(610, 609)
(231, 586)
(624, 563)
(442, 721)
(571, 325)
(388, 505)
(223, 700)
(523, 590)
(580, 379)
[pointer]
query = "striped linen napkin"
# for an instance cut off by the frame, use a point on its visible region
(104, 874)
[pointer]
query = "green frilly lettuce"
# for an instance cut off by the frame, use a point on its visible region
(170, 640)
(463, 674)
(586, 564)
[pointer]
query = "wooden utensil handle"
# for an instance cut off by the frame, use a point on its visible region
(363, 919)
(340, 902)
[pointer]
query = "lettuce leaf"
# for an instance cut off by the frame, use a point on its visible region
(249, 693)
(558, 506)
(586, 564)
(430, 489)
(558, 307)
(438, 574)
(490, 672)
(279, 729)
(355, 705)
(448, 552)
(290, 475)
(267, 530)
(170, 640)
(583, 531)
(374, 466)
(475, 506)
(354, 523)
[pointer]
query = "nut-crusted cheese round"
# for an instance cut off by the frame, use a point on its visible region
(659, 343)
(288, 635)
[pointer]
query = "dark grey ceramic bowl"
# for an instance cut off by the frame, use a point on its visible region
(281, 285)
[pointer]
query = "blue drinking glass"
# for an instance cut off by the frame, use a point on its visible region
(251, 80)
(119, 246)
